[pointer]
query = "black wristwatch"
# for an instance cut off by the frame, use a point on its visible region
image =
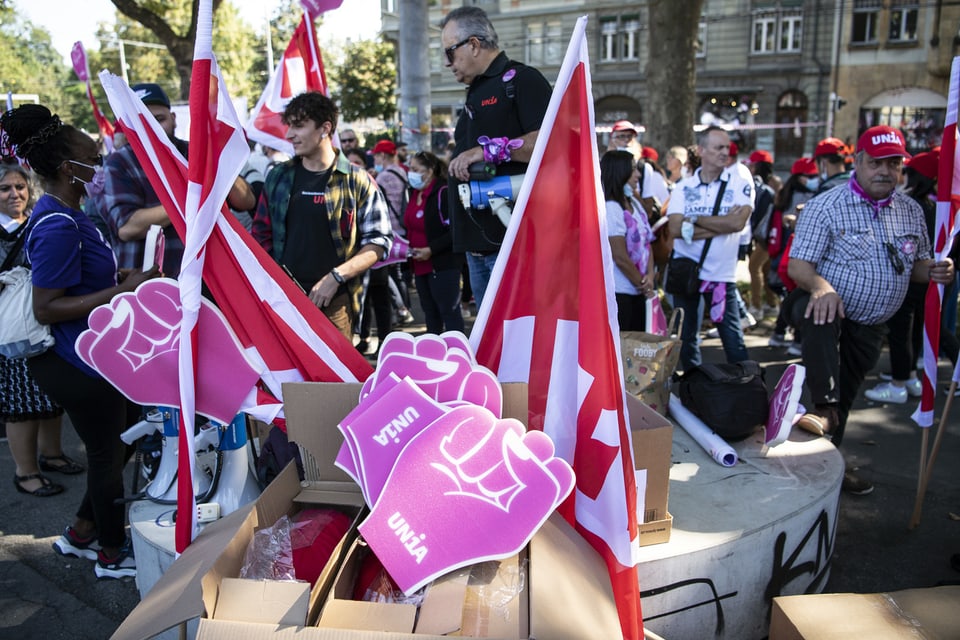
(336, 276)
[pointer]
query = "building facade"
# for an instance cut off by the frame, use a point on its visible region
(780, 74)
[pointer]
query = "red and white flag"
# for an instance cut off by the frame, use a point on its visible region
(79, 57)
(945, 230)
(299, 70)
(549, 319)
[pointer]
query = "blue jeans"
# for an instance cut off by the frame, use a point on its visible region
(439, 293)
(729, 328)
(480, 269)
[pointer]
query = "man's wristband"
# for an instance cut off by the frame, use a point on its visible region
(336, 276)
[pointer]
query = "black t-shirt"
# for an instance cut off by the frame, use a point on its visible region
(508, 99)
(309, 253)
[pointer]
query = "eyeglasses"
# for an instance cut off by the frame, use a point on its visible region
(449, 51)
(894, 256)
(348, 139)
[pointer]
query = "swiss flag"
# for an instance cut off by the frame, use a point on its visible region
(549, 319)
(299, 70)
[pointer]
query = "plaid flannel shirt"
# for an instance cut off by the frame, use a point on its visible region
(356, 210)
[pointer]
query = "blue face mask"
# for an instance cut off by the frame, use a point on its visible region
(378, 168)
(813, 183)
(627, 190)
(415, 179)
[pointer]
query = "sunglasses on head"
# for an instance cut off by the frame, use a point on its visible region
(449, 51)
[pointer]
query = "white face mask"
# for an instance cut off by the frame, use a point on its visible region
(415, 179)
(96, 184)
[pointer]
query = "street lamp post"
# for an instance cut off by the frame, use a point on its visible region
(123, 53)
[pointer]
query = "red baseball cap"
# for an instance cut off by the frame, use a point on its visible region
(385, 146)
(760, 156)
(804, 167)
(734, 150)
(926, 164)
(830, 147)
(882, 142)
(624, 125)
(650, 153)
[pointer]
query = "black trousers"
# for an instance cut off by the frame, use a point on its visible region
(838, 356)
(99, 414)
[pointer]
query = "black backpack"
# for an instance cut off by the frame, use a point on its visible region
(731, 399)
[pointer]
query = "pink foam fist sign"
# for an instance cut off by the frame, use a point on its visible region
(376, 436)
(442, 366)
(345, 459)
(133, 341)
(468, 488)
(784, 403)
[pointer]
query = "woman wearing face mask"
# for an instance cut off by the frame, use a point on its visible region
(436, 268)
(73, 272)
(630, 236)
(32, 418)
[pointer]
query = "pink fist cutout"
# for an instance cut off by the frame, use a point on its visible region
(467, 489)
(784, 404)
(376, 436)
(345, 459)
(133, 342)
(442, 366)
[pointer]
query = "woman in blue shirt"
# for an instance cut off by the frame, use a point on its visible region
(74, 271)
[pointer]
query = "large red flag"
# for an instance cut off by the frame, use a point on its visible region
(79, 57)
(299, 70)
(549, 319)
(946, 228)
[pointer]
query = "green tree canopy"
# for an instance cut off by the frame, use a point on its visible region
(366, 81)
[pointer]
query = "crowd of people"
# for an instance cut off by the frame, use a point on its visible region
(358, 229)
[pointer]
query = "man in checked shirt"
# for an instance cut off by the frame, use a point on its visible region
(855, 250)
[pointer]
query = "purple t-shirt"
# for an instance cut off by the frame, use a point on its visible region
(66, 251)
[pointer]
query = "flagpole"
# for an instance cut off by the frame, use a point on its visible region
(927, 471)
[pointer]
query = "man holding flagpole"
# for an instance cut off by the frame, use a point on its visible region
(851, 243)
(321, 217)
(503, 110)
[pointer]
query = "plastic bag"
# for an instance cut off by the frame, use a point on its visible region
(269, 555)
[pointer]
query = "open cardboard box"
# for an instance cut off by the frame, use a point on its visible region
(652, 437)
(932, 614)
(569, 592)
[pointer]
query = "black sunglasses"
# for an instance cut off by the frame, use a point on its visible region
(894, 256)
(449, 51)
(348, 139)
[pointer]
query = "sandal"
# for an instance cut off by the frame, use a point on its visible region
(69, 466)
(47, 487)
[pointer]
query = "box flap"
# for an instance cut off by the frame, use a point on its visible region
(177, 595)
(441, 612)
(569, 586)
(270, 601)
(368, 616)
(312, 410)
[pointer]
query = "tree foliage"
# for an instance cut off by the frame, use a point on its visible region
(672, 72)
(30, 63)
(366, 81)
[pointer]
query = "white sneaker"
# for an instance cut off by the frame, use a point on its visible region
(795, 349)
(713, 333)
(914, 387)
(887, 393)
(956, 394)
(748, 321)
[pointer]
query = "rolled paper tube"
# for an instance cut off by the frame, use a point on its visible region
(713, 444)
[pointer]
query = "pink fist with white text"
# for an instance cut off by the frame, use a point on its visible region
(468, 488)
(442, 366)
(133, 342)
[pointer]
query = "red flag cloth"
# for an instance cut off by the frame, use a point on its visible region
(79, 57)
(299, 70)
(945, 229)
(549, 319)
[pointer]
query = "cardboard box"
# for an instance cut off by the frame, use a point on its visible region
(569, 589)
(652, 437)
(930, 614)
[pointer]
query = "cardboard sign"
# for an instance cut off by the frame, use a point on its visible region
(469, 488)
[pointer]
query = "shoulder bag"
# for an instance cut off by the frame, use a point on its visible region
(683, 274)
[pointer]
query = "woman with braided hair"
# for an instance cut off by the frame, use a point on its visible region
(73, 272)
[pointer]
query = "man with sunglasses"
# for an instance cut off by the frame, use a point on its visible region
(130, 205)
(505, 101)
(855, 251)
